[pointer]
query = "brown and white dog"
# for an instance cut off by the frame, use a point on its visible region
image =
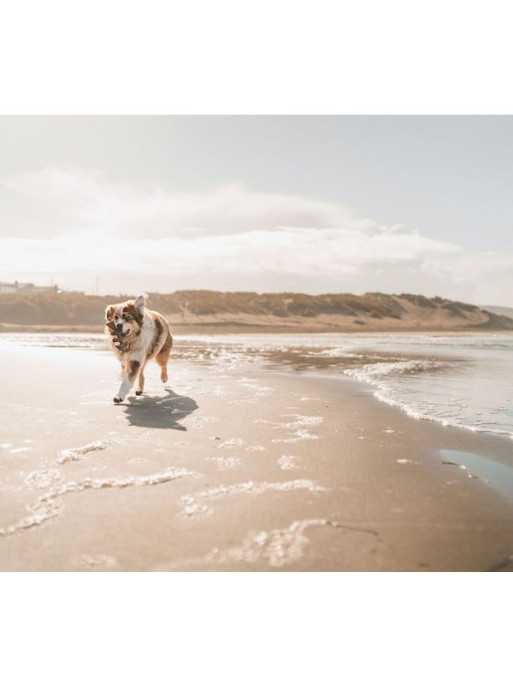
(137, 335)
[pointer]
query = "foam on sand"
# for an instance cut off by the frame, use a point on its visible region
(231, 443)
(76, 453)
(194, 505)
(298, 429)
(224, 463)
(278, 547)
(49, 504)
(287, 462)
(42, 479)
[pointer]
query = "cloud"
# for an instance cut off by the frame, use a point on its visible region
(75, 224)
(80, 200)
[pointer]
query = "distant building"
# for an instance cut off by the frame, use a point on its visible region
(25, 288)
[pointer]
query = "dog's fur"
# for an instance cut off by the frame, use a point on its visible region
(137, 335)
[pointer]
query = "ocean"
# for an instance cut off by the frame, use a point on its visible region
(464, 381)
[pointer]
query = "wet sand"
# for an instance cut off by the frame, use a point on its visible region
(238, 468)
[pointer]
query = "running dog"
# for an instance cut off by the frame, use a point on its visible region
(137, 335)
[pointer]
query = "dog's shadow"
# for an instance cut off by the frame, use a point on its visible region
(159, 411)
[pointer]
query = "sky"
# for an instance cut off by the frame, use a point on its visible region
(128, 204)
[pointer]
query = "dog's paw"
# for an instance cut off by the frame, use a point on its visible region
(117, 400)
(138, 392)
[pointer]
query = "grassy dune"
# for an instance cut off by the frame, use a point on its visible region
(211, 311)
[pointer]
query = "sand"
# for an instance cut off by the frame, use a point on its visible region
(235, 468)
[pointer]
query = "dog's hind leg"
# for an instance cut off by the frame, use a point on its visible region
(162, 357)
(140, 390)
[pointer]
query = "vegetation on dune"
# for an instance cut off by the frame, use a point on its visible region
(284, 304)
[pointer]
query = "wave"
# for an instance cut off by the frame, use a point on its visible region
(446, 401)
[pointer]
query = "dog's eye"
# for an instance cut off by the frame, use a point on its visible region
(128, 319)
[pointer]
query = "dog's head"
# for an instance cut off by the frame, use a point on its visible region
(125, 319)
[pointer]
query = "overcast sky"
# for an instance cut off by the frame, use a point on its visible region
(313, 204)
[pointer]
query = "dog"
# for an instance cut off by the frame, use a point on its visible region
(137, 335)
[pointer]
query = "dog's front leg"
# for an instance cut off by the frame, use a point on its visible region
(130, 375)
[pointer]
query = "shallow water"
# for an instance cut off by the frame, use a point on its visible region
(458, 380)
(499, 476)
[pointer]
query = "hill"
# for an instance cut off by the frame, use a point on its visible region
(209, 311)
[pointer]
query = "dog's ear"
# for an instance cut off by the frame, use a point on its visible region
(108, 312)
(140, 304)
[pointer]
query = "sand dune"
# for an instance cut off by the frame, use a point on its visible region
(207, 311)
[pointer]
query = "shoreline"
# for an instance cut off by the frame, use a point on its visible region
(241, 329)
(240, 470)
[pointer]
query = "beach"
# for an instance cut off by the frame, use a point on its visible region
(238, 463)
